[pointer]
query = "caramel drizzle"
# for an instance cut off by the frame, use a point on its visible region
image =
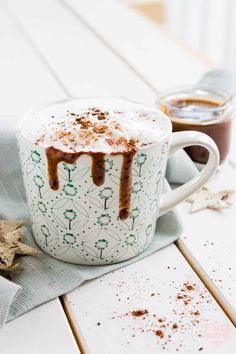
(55, 156)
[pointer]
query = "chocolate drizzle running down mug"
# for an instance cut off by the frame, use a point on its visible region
(93, 171)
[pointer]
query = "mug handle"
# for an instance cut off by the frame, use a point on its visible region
(181, 140)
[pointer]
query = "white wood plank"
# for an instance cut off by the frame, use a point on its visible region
(192, 15)
(173, 11)
(203, 25)
(82, 62)
(154, 283)
(142, 44)
(211, 236)
(183, 68)
(43, 330)
(229, 55)
(215, 30)
(25, 81)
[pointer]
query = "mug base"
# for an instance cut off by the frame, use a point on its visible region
(75, 258)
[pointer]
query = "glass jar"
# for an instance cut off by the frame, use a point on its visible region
(199, 108)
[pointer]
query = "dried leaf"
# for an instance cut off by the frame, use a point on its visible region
(6, 256)
(26, 250)
(12, 267)
(11, 237)
(10, 244)
(9, 225)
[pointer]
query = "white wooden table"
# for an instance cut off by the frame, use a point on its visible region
(51, 50)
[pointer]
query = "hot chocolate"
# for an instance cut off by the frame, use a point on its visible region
(94, 125)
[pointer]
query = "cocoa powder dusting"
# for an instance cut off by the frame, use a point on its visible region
(189, 286)
(138, 313)
(196, 313)
(159, 333)
(183, 319)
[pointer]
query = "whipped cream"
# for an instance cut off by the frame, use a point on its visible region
(94, 125)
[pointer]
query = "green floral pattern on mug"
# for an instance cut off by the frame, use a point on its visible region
(79, 223)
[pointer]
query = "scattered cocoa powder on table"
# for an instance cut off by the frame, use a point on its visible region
(159, 333)
(187, 317)
(189, 286)
(138, 313)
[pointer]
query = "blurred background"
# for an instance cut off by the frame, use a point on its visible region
(208, 27)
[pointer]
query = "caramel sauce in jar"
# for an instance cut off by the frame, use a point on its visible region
(200, 109)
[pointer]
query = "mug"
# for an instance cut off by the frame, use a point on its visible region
(80, 222)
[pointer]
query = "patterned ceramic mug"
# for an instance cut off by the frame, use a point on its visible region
(80, 223)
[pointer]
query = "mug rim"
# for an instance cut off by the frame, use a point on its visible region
(161, 115)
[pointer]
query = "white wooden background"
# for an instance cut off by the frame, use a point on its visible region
(207, 26)
(55, 49)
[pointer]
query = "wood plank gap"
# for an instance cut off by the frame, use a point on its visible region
(34, 48)
(79, 18)
(72, 325)
(203, 276)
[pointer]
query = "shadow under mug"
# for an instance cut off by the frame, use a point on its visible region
(79, 223)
